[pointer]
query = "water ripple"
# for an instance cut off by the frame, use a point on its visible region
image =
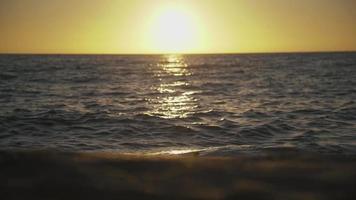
(177, 104)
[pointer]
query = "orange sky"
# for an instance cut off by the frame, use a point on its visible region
(176, 26)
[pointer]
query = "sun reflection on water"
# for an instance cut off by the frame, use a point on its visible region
(174, 65)
(174, 100)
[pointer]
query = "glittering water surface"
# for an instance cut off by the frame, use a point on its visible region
(179, 103)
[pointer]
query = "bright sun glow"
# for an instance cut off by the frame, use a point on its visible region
(173, 30)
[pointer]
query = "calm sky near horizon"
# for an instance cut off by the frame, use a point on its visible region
(176, 26)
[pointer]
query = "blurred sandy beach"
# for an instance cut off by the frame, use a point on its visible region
(54, 175)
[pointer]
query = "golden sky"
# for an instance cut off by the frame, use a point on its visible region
(176, 26)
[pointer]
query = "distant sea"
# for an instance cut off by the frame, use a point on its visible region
(173, 104)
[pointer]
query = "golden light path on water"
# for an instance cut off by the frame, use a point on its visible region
(173, 101)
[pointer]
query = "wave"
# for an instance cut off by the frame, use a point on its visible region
(212, 104)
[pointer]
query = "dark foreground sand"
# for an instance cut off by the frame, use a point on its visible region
(53, 175)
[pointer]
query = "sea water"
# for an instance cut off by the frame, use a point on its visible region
(157, 104)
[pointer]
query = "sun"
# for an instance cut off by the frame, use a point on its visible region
(173, 30)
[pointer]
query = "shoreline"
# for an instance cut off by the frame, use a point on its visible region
(63, 175)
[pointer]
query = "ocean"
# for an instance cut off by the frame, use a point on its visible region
(176, 104)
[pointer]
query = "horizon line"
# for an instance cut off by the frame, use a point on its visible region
(157, 54)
